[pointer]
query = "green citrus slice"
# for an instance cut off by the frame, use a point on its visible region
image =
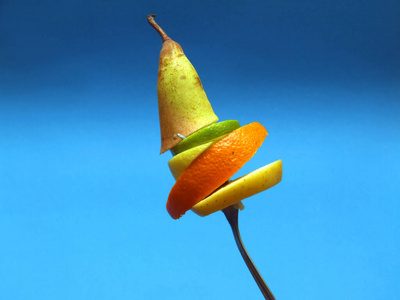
(205, 135)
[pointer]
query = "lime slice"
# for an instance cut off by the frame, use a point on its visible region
(205, 135)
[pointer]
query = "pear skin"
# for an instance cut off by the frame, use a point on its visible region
(182, 102)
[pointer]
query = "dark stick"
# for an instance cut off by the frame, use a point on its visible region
(232, 214)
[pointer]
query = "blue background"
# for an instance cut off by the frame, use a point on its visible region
(83, 187)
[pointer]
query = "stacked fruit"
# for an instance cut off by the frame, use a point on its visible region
(206, 153)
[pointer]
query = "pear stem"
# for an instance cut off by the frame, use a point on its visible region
(164, 36)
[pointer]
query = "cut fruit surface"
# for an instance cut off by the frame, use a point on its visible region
(182, 161)
(205, 135)
(241, 188)
(214, 167)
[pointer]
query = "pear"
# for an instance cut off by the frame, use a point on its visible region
(240, 189)
(183, 105)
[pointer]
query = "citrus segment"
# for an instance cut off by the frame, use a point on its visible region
(241, 188)
(206, 134)
(214, 167)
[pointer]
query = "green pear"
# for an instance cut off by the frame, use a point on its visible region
(182, 103)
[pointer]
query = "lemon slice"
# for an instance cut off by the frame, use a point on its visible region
(241, 188)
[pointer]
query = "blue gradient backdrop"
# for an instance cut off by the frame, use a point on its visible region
(83, 187)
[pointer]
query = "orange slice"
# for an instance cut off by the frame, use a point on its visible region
(214, 167)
